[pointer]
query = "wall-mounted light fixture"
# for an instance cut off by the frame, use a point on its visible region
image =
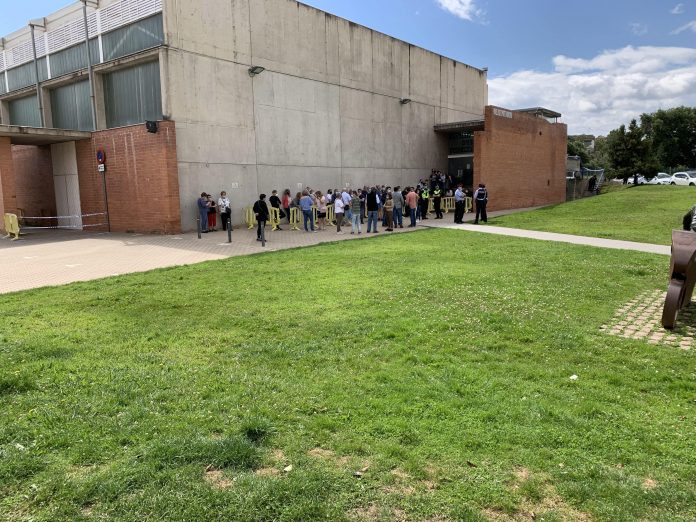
(405, 101)
(256, 69)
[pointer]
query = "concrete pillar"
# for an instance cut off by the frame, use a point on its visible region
(8, 191)
(47, 109)
(99, 101)
(4, 113)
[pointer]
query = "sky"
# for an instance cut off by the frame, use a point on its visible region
(599, 63)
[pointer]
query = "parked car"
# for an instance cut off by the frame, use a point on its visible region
(662, 178)
(641, 180)
(684, 178)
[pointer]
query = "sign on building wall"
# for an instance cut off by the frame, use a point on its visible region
(502, 113)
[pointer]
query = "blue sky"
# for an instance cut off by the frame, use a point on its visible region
(598, 62)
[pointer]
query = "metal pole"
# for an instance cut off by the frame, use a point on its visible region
(93, 104)
(39, 97)
(106, 201)
(229, 230)
(198, 225)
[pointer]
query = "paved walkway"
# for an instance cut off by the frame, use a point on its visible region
(552, 236)
(58, 257)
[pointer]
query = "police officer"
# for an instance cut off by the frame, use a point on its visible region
(437, 201)
(424, 202)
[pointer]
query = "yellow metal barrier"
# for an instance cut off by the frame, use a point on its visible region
(330, 214)
(315, 214)
(447, 204)
(250, 217)
(11, 226)
(468, 204)
(274, 220)
(294, 218)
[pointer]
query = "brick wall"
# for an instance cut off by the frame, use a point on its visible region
(34, 181)
(522, 160)
(142, 178)
(8, 199)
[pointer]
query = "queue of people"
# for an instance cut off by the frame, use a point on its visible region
(378, 204)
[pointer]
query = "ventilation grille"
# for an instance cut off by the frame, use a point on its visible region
(112, 17)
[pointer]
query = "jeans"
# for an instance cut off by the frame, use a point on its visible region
(260, 228)
(413, 216)
(224, 217)
(349, 214)
(356, 223)
(203, 215)
(308, 217)
(398, 217)
(371, 220)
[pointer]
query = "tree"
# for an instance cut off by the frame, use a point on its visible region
(577, 148)
(672, 134)
(629, 150)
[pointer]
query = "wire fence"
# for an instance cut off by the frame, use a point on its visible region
(53, 222)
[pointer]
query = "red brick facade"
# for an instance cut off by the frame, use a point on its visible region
(34, 181)
(142, 179)
(521, 159)
(8, 197)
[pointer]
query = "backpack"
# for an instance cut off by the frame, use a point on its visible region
(482, 194)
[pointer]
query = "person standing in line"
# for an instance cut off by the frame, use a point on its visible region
(459, 197)
(262, 214)
(287, 198)
(202, 203)
(389, 212)
(321, 210)
(398, 208)
(481, 199)
(225, 209)
(212, 214)
(275, 202)
(437, 202)
(355, 208)
(372, 203)
(424, 201)
(345, 196)
(412, 203)
(306, 203)
(363, 198)
(338, 211)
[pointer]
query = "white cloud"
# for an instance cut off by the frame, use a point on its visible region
(690, 26)
(597, 95)
(678, 9)
(639, 29)
(464, 9)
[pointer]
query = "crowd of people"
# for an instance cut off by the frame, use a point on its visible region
(351, 207)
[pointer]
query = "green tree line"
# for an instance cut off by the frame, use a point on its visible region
(664, 141)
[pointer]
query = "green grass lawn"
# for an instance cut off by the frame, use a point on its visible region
(646, 214)
(434, 365)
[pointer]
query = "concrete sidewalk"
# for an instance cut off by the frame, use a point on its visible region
(57, 257)
(552, 236)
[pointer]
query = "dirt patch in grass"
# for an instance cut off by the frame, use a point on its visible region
(649, 484)
(321, 453)
(368, 513)
(278, 455)
(267, 472)
(217, 479)
(539, 496)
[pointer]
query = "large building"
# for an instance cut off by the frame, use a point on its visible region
(248, 96)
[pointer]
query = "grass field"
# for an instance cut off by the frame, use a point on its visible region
(646, 214)
(424, 376)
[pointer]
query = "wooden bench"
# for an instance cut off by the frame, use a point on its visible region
(682, 277)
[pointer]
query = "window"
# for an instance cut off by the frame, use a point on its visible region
(133, 95)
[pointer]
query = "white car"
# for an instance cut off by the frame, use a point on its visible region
(662, 178)
(684, 178)
(641, 180)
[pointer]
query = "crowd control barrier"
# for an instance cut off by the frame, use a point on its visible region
(274, 220)
(294, 218)
(11, 226)
(331, 214)
(447, 204)
(250, 217)
(468, 205)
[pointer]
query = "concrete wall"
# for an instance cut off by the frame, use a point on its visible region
(521, 159)
(325, 113)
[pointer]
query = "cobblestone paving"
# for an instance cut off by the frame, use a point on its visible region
(640, 319)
